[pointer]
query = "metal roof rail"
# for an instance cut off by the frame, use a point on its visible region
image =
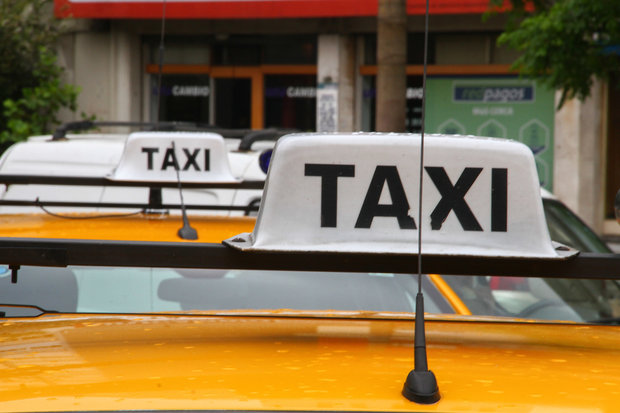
(150, 206)
(270, 134)
(247, 136)
(61, 132)
(61, 252)
(25, 179)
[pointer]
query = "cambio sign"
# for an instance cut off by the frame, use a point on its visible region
(291, 92)
(190, 90)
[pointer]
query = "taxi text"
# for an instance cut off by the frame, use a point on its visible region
(452, 196)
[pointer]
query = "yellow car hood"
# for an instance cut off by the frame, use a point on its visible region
(261, 362)
(119, 226)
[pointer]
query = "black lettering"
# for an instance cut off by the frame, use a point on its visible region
(170, 159)
(453, 197)
(149, 156)
(191, 159)
(207, 159)
(499, 200)
(399, 208)
(329, 188)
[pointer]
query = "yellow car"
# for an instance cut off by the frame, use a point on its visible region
(313, 308)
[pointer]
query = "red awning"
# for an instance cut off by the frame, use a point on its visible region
(250, 9)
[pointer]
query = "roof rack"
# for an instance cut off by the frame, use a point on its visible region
(271, 134)
(154, 204)
(62, 252)
(19, 179)
(61, 132)
(247, 136)
(155, 197)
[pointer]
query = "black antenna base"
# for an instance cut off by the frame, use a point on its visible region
(421, 387)
(187, 232)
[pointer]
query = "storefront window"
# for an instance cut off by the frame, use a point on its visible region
(290, 101)
(290, 50)
(233, 102)
(413, 119)
(180, 50)
(184, 98)
(236, 81)
(236, 51)
(415, 49)
(255, 50)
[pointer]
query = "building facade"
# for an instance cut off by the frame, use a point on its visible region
(311, 65)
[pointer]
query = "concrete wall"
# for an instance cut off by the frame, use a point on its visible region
(579, 156)
(92, 73)
(126, 70)
(348, 79)
(106, 66)
(336, 80)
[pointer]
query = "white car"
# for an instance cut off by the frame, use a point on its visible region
(91, 168)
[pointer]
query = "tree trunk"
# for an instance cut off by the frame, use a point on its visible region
(391, 66)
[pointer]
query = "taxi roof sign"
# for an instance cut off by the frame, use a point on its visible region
(156, 157)
(359, 193)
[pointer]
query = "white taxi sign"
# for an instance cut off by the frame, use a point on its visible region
(359, 193)
(157, 156)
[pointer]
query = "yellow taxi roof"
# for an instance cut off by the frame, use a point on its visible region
(238, 363)
(121, 227)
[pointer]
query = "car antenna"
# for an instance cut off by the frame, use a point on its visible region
(155, 194)
(186, 231)
(421, 384)
(160, 59)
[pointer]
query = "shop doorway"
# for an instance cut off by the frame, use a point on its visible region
(250, 97)
(184, 98)
(290, 101)
(232, 102)
(233, 81)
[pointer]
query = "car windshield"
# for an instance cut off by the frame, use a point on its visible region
(154, 290)
(78, 289)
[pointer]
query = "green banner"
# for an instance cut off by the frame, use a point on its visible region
(500, 107)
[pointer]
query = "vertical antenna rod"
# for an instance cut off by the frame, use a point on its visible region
(160, 59)
(186, 231)
(421, 384)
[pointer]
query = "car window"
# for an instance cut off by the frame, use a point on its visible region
(567, 228)
(551, 298)
(120, 290)
(146, 290)
(546, 299)
(539, 298)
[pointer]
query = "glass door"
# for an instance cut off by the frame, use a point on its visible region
(184, 98)
(232, 100)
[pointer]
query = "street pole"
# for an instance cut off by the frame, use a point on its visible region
(391, 82)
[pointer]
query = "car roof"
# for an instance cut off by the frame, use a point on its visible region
(122, 226)
(271, 363)
(325, 360)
